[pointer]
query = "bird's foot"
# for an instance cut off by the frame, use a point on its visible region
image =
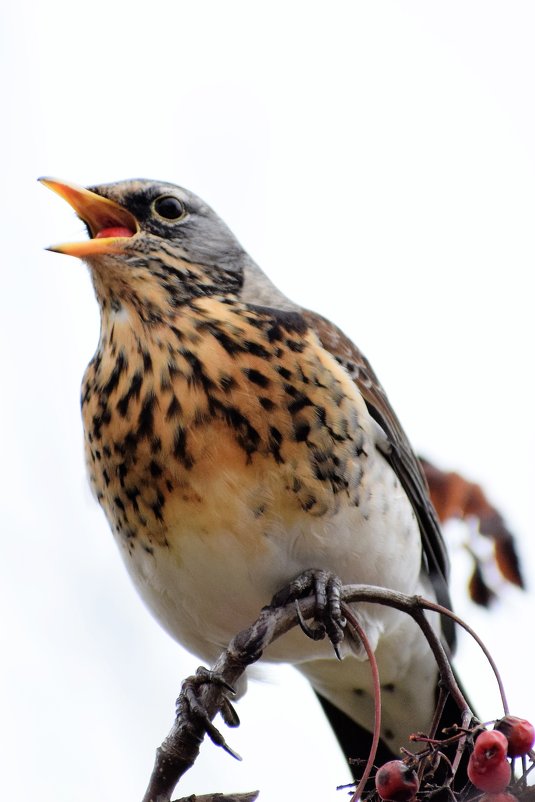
(189, 706)
(328, 618)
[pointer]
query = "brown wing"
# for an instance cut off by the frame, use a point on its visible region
(398, 452)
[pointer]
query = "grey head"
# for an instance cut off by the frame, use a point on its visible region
(183, 224)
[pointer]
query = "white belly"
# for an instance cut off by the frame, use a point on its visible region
(205, 587)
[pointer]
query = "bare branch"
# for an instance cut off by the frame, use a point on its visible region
(181, 747)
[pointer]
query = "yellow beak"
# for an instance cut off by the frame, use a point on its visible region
(110, 224)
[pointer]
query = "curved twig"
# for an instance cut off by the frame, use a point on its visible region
(374, 668)
(429, 605)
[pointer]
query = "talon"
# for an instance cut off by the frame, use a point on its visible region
(228, 714)
(217, 738)
(328, 614)
(189, 706)
(206, 676)
(314, 633)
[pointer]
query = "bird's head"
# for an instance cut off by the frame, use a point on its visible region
(150, 240)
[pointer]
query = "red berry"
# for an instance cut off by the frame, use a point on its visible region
(490, 747)
(520, 735)
(492, 776)
(396, 782)
(502, 796)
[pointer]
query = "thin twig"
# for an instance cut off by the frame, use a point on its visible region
(355, 624)
(429, 605)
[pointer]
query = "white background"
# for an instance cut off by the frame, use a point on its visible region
(377, 159)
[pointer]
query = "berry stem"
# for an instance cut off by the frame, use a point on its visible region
(429, 605)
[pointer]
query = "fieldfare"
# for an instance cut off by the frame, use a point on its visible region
(235, 440)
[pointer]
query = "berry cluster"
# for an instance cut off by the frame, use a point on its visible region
(488, 767)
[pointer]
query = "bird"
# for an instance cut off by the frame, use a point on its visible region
(235, 439)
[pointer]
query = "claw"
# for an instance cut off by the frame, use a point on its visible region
(204, 675)
(189, 706)
(314, 633)
(217, 738)
(228, 714)
(328, 614)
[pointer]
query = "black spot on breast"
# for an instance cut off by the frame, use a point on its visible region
(325, 472)
(198, 376)
(99, 421)
(132, 392)
(180, 449)
(256, 349)
(121, 364)
(145, 420)
(302, 375)
(388, 734)
(274, 443)
(231, 346)
(267, 403)
(274, 333)
(308, 503)
(284, 372)
(227, 383)
(87, 393)
(322, 417)
(126, 447)
(174, 409)
(246, 435)
(300, 402)
(155, 469)
(301, 431)
(157, 506)
(132, 493)
(291, 390)
(122, 470)
(96, 362)
(256, 377)
(389, 687)
(147, 362)
(172, 367)
(295, 346)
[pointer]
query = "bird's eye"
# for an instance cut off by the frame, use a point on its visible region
(169, 207)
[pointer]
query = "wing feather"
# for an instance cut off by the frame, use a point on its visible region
(398, 452)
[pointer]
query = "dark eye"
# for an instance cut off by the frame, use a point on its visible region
(169, 207)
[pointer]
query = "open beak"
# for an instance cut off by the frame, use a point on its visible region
(109, 223)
